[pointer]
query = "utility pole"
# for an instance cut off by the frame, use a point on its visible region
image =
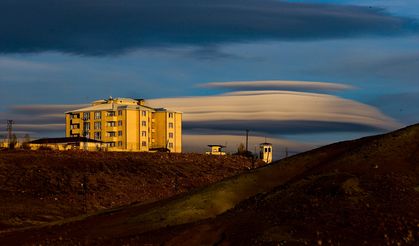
(10, 131)
(247, 140)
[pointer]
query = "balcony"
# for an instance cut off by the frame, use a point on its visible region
(75, 121)
(111, 118)
(111, 139)
(75, 131)
(111, 128)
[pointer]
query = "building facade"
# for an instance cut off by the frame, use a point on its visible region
(127, 125)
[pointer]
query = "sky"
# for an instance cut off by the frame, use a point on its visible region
(300, 74)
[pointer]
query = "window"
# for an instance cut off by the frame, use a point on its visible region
(143, 133)
(75, 135)
(119, 112)
(144, 113)
(111, 113)
(111, 123)
(98, 116)
(144, 123)
(170, 134)
(74, 116)
(119, 133)
(87, 135)
(119, 143)
(119, 122)
(143, 143)
(98, 125)
(170, 115)
(170, 125)
(74, 126)
(86, 126)
(111, 134)
(112, 144)
(170, 145)
(86, 116)
(98, 135)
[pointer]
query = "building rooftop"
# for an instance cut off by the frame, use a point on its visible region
(265, 144)
(113, 104)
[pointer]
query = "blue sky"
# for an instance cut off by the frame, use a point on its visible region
(71, 52)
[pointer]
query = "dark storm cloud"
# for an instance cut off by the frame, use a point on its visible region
(100, 27)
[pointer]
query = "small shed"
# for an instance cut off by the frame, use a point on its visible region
(216, 149)
(81, 143)
(265, 152)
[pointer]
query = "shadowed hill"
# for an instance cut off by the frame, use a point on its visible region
(367, 195)
(348, 192)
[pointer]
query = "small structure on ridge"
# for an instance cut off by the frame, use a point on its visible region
(265, 152)
(216, 149)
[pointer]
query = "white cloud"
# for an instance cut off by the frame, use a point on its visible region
(276, 85)
(276, 107)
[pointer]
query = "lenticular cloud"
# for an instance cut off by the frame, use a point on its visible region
(277, 112)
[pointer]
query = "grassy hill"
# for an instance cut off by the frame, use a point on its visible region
(364, 191)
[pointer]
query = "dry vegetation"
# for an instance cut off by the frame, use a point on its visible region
(44, 186)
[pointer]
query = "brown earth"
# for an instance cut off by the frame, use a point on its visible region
(45, 186)
(361, 192)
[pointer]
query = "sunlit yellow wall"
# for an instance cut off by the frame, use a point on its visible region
(159, 129)
(177, 133)
(67, 125)
(132, 129)
(162, 131)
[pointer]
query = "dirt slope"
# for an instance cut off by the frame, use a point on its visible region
(367, 195)
(44, 186)
(357, 192)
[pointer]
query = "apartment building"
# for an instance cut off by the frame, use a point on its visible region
(127, 125)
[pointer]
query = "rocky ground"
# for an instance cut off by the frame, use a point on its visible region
(44, 186)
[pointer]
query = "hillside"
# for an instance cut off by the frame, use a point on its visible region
(45, 186)
(364, 191)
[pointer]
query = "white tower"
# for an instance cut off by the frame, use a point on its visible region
(266, 152)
